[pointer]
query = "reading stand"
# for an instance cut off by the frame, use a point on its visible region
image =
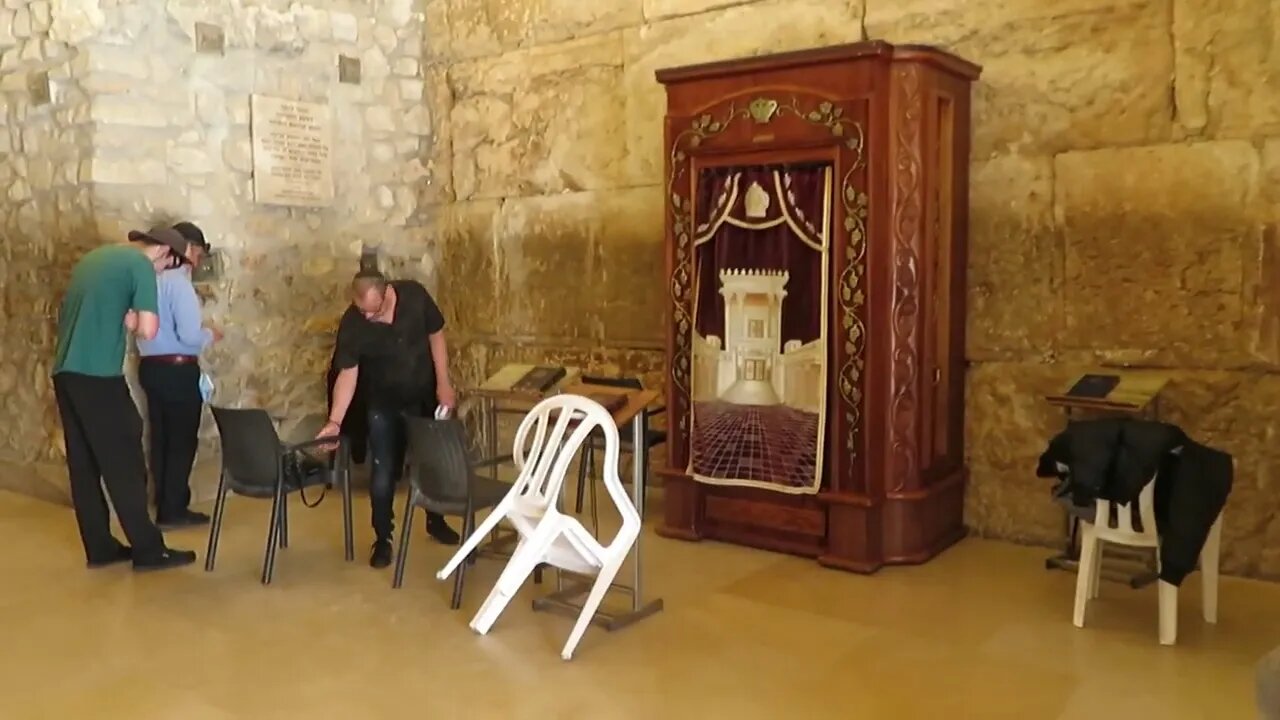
(516, 388)
(1103, 394)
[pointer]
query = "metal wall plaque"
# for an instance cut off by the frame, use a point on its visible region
(348, 70)
(210, 38)
(38, 88)
(292, 152)
(210, 268)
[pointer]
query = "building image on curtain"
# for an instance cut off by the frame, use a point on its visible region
(759, 376)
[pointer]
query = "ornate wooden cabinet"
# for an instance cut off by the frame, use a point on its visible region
(816, 219)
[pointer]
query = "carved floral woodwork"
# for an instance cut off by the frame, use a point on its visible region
(893, 122)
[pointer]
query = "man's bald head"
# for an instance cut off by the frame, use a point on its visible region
(369, 292)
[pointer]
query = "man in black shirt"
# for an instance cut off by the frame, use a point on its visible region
(392, 337)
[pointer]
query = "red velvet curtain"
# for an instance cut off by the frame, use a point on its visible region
(795, 214)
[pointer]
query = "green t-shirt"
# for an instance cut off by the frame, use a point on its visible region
(106, 283)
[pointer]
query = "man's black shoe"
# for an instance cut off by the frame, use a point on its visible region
(124, 553)
(439, 530)
(167, 560)
(381, 555)
(186, 518)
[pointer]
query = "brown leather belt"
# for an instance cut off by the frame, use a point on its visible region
(171, 359)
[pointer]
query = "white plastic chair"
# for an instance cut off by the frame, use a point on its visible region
(532, 506)
(1093, 535)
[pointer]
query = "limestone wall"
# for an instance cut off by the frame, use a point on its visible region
(44, 215)
(163, 134)
(1125, 170)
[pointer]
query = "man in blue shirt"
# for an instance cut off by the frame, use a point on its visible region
(170, 374)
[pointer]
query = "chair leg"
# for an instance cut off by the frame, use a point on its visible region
(1095, 580)
(583, 459)
(595, 509)
(518, 569)
(273, 533)
(1084, 572)
(469, 544)
(348, 534)
(284, 520)
(405, 528)
(1209, 558)
(215, 527)
(589, 607)
(468, 525)
(1168, 613)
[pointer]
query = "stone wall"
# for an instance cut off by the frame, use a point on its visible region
(45, 214)
(163, 134)
(1125, 166)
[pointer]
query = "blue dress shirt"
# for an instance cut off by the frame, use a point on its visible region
(181, 331)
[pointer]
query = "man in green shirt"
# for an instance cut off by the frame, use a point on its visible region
(112, 291)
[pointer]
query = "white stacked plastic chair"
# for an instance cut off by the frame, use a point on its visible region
(1093, 535)
(559, 425)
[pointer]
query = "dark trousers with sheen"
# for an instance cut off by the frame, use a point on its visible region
(387, 443)
(174, 407)
(103, 435)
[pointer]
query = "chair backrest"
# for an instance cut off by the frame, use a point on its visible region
(547, 442)
(437, 453)
(250, 445)
(1123, 528)
(627, 383)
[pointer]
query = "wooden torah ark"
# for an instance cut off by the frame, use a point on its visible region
(893, 122)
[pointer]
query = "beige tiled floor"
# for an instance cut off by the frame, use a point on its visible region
(982, 632)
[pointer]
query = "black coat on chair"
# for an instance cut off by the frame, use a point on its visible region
(1114, 458)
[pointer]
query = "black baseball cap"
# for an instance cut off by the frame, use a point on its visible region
(168, 237)
(193, 234)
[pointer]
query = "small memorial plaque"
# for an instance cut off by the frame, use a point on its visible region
(209, 38)
(292, 152)
(348, 70)
(38, 87)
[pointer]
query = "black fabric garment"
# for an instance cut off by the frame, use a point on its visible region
(355, 425)
(174, 407)
(387, 444)
(395, 356)
(1114, 458)
(103, 435)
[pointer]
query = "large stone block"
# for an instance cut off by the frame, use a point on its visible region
(562, 19)
(1161, 245)
(756, 29)
(1227, 58)
(540, 121)
(460, 29)
(1015, 259)
(574, 267)
(664, 9)
(1056, 76)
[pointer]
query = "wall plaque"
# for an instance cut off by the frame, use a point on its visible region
(39, 89)
(292, 152)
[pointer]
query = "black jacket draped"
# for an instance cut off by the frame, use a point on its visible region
(1114, 458)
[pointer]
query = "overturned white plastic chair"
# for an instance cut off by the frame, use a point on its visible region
(1093, 535)
(559, 425)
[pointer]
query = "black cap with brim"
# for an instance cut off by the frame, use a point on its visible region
(193, 234)
(168, 237)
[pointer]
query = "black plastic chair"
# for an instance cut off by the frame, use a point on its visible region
(443, 479)
(256, 464)
(587, 465)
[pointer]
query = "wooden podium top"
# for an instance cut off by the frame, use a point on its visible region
(637, 400)
(1134, 393)
(500, 385)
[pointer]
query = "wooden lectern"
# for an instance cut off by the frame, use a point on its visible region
(816, 219)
